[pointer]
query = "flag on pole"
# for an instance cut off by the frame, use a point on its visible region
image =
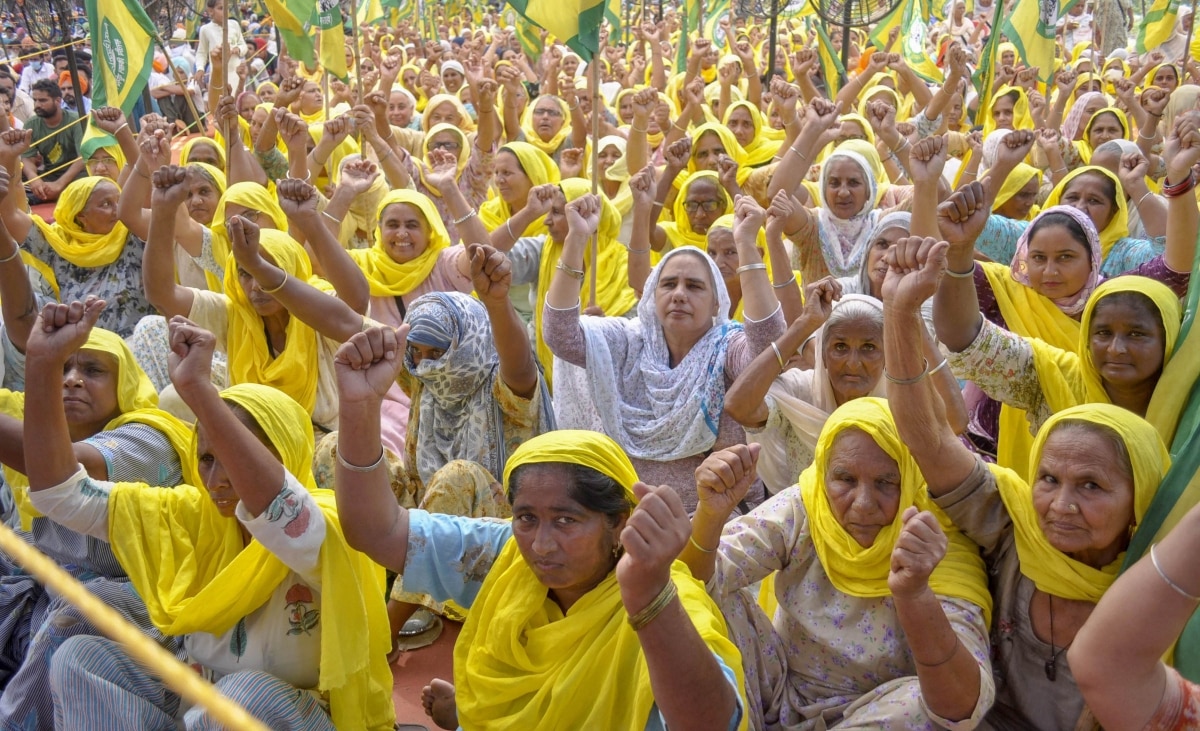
(528, 37)
(1158, 26)
(717, 9)
(831, 65)
(370, 13)
(681, 53)
(690, 9)
(985, 76)
(574, 22)
(910, 16)
(121, 41)
(293, 19)
(1030, 26)
(612, 13)
(327, 17)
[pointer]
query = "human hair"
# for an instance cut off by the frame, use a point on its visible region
(49, 87)
(1110, 186)
(1062, 220)
(853, 309)
(592, 489)
(1104, 432)
(1135, 300)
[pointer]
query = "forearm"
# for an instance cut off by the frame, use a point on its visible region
(564, 288)
(744, 400)
(793, 164)
(1183, 219)
(1147, 135)
(706, 535)
(266, 139)
(50, 458)
(517, 366)
(506, 235)
(470, 227)
(924, 209)
(158, 268)
(639, 249)
(637, 148)
(329, 316)
(758, 297)
(783, 280)
(947, 672)
(1154, 212)
(372, 520)
(134, 200)
(337, 266)
(946, 385)
(242, 165)
(17, 303)
(580, 127)
(489, 129)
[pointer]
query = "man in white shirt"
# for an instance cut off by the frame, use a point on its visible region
(210, 40)
(36, 69)
(1076, 26)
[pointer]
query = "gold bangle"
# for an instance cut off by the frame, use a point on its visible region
(655, 607)
(273, 290)
(778, 356)
(577, 273)
(700, 548)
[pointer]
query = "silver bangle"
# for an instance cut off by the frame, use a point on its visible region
(751, 267)
(10, 257)
(1139, 203)
(508, 227)
(778, 356)
(329, 215)
(362, 470)
(1162, 575)
(969, 274)
(939, 366)
(908, 381)
(467, 215)
(781, 285)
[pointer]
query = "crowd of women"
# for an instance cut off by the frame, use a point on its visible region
(825, 410)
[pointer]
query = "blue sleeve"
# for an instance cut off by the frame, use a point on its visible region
(1129, 254)
(657, 723)
(450, 556)
(998, 241)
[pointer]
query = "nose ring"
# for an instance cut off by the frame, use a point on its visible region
(1072, 508)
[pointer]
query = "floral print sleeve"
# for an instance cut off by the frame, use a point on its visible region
(998, 241)
(765, 540)
(1001, 363)
(1130, 253)
(450, 556)
(292, 528)
(207, 259)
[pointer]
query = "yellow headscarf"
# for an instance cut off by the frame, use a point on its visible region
(1051, 570)
(464, 154)
(185, 155)
(248, 195)
(1069, 377)
(71, 242)
(863, 572)
(362, 213)
(1118, 225)
(679, 232)
(386, 277)
(532, 137)
(293, 371)
(520, 663)
(189, 565)
(136, 398)
(1017, 179)
(618, 172)
(732, 148)
(763, 147)
(346, 147)
(540, 170)
(96, 139)
(613, 293)
(726, 222)
(1084, 145)
(467, 124)
(1022, 119)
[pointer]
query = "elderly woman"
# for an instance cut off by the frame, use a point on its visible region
(579, 615)
(1053, 544)
(550, 125)
(251, 568)
(657, 382)
(882, 604)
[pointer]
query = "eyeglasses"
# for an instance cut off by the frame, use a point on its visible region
(547, 112)
(449, 145)
(249, 214)
(708, 206)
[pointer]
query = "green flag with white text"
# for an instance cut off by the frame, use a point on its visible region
(123, 51)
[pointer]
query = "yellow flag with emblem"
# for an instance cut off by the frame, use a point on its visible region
(123, 51)
(574, 22)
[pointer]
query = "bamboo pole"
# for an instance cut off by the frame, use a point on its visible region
(227, 134)
(1187, 47)
(181, 80)
(594, 82)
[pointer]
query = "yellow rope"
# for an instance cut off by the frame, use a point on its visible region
(177, 676)
(48, 50)
(82, 118)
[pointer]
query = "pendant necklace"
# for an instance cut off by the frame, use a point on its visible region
(1052, 661)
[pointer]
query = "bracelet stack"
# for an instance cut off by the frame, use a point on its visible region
(1174, 190)
(654, 608)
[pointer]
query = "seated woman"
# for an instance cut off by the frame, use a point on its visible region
(550, 125)
(250, 569)
(1053, 544)
(700, 202)
(1117, 656)
(657, 383)
(723, 251)
(580, 587)
(883, 605)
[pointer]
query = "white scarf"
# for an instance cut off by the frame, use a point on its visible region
(844, 241)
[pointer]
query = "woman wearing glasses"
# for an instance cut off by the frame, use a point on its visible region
(553, 124)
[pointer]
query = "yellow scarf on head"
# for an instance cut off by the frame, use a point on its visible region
(464, 154)
(540, 170)
(618, 172)
(613, 293)
(467, 125)
(362, 213)
(344, 148)
(728, 141)
(763, 147)
(189, 565)
(71, 242)
(294, 371)
(136, 399)
(863, 572)
(679, 232)
(1118, 225)
(1069, 377)
(520, 663)
(1022, 119)
(185, 155)
(1017, 179)
(251, 196)
(1051, 570)
(1084, 145)
(389, 278)
(96, 139)
(551, 145)
(726, 222)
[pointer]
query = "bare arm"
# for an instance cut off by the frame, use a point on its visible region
(158, 259)
(17, 302)
(956, 314)
(1183, 218)
(491, 272)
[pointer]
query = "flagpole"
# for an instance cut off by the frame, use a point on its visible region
(1187, 47)
(354, 46)
(225, 72)
(179, 79)
(594, 73)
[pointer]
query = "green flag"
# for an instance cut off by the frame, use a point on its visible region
(1030, 26)
(831, 65)
(985, 76)
(575, 23)
(124, 51)
(293, 19)
(1158, 26)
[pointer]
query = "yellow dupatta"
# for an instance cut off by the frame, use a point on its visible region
(293, 371)
(388, 278)
(185, 154)
(551, 145)
(361, 215)
(519, 663)
(679, 232)
(726, 222)
(464, 155)
(248, 195)
(136, 399)
(467, 125)
(1051, 570)
(1118, 226)
(1017, 179)
(540, 170)
(1084, 146)
(732, 149)
(71, 242)
(189, 565)
(618, 172)
(613, 293)
(1069, 377)
(763, 147)
(1022, 119)
(863, 572)
(96, 139)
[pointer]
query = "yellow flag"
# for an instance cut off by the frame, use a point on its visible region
(1158, 26)
(121, 41)
(1030, 26)
(574, 22)
(328, 19)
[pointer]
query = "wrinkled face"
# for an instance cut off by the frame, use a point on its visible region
(246, 105)
(90, 391)
(264, 304)
(1002, 112)
(1089, 193)
(267, 94)
(311, 100)
(877, 256)
(742, 126)
(202, 200)
(570, 65)
(1106, 127)
(212, 472)
(452, 80)
(853, 357)
(723, 252)
(609, 155)
(512, 184)
(99, 214)
(1022, 202)
(1083, 495)
(707, 151)
(400, 110)
(1166, 78)
(863, 485)
(447, 141)
(568, 547)
(408, 77)
(956, 109)
(547, 118)
(206, 152)
(556, 219)
(846, 188)
(625, 108)
(102, 164)
(1058, 265)
(850, 130)
(1127, 342)
(1007, 58)
(257, 119)
(250, 214)
(444, 113)
(405, 232)
(1089, 86)
(703, 204)
(685, 298)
